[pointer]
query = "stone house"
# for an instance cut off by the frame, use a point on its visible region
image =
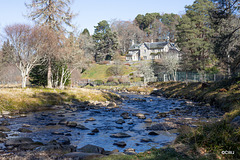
(149, 50)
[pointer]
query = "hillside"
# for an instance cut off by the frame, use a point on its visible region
(98, 72)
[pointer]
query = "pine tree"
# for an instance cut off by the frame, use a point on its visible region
(194, 36)
(226, 23)
(105, 41)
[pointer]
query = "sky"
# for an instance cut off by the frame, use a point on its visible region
(90, 12)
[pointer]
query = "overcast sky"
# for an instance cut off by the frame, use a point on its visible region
(90, 12)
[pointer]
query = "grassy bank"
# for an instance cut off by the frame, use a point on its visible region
(224, 94)
(33, 99)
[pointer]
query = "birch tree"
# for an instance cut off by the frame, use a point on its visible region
(145, 68)
(71, 57)
(127, 31)
(170, 63)
(27, 45)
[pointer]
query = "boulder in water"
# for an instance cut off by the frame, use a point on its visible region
(120, 135)
(92, 149)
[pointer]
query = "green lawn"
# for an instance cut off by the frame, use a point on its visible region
(98, 72)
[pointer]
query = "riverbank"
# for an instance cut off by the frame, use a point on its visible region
(18, 100)
(210, 140)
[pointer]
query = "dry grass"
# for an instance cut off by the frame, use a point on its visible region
(30, 99)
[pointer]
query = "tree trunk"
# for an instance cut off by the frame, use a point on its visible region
(61, 81)
(186, 76)
(174, 76)
(49, 74)
(24, 81)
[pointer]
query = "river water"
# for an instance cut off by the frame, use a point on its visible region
(42, 124)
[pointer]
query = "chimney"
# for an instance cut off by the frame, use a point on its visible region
(132, 42)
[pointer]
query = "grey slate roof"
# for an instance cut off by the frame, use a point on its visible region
(135, 47)
(155, 45)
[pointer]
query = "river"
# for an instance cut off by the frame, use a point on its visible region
(44, 125)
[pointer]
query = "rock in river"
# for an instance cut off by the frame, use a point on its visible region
(57, 133)
(130, 151)
(71, 124)
(4, 129)
(146, 140)
(148, 120)
(92, 149)
(82, 127)
(111, 105)
(120, 135)
(63, 140)
(153, 133)
(3, 137)
(140, 116)
(125, 115)
(63, 122)
(120, 121)
(90, 119)
(18, 141)
(120, 144)
(24, 130)
(95, 130)
(161, 115)
(4, 123)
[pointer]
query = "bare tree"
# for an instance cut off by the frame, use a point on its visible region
(28, 44)
(169, 63)
(53, 13)
(127, 31)
(146, 70)
(71, 57)
(87, 45)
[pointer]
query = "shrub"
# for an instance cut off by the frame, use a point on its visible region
(131, 74)
(123, 80)
(98, 82)
(110, 79)
(114, 71)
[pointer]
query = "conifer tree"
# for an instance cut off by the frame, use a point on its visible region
(105, 41)
(194, 36)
